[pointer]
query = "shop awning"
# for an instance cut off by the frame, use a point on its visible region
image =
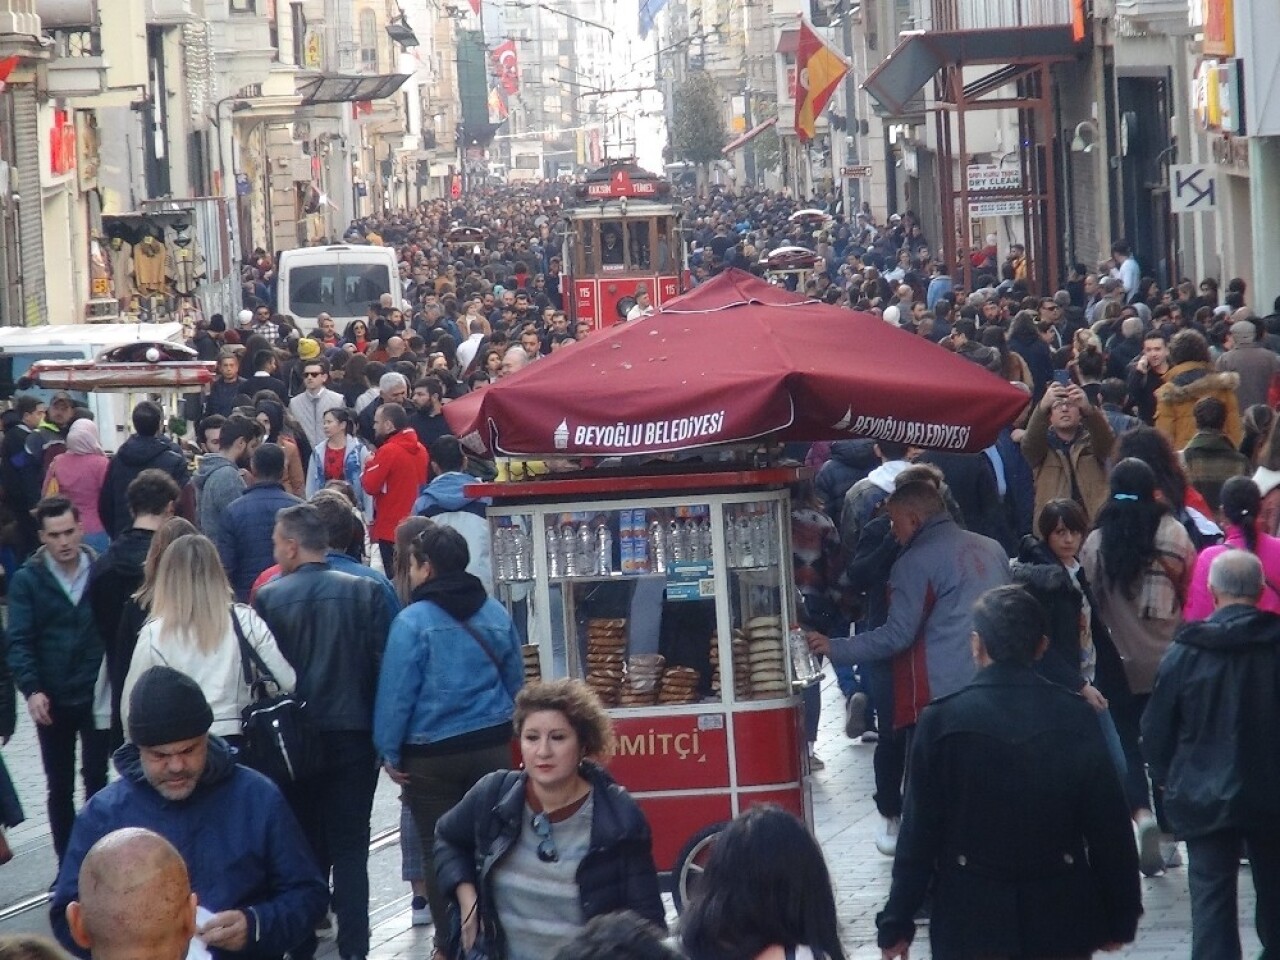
(788, 42)
(340, 88)
(747, 137)
(919, 56)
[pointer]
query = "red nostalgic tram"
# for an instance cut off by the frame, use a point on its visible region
(623, 234)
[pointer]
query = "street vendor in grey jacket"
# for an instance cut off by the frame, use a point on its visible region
(933, 585)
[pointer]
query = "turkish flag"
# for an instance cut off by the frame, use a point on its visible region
(508, 69)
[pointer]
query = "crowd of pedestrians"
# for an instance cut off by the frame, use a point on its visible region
(1082, 617)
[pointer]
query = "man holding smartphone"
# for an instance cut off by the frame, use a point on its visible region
(1067, 444)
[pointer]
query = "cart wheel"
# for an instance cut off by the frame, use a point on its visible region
(690, 864)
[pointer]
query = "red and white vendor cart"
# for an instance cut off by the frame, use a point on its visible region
(672, 596)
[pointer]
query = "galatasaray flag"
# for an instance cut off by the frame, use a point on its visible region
(818, 70)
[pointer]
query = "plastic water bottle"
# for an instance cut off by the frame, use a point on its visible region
(569, 550)
(521, 555)
(658, 547)
(586, 545)
(746, 544)
(554, 566)
(804, 665)
(502, 553)
(604, 550)
(677, 542)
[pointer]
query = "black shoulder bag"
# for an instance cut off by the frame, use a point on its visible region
(278, 738)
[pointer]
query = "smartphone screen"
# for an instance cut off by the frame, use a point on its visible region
(1062, 378)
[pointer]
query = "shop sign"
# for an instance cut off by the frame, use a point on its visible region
(995, 208)
(1219, 28)
(87, 143)
(1193, 188)
(62, 143)
(672, 753)
(991, 176)
(311, 50)
(1216, 98)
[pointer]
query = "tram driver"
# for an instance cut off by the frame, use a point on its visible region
(611, 245)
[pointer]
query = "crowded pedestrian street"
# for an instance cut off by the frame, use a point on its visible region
(843, 820)
(662, 480)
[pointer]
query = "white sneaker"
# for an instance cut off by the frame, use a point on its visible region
(1150, 861)
(887, 838)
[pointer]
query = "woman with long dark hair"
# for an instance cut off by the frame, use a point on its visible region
(754, 901)
(1139, 559)
(1080, 656)
(271, 414)
(1241, 506)
(1172, 489)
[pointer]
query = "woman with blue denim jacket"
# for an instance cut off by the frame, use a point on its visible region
(450, 673)
(340, 457)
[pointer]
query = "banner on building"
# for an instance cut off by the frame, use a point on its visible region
(819, 70)
(507, 66)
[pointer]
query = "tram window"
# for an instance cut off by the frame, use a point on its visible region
(587, 263)
(663, 263)
(611, 254)
(639, 246)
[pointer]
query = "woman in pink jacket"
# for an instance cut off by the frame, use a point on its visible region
(1241, 504)
(78, 475)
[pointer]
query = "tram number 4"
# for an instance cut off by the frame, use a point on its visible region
(1194, 189)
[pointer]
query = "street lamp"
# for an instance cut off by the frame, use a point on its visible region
(400, 32)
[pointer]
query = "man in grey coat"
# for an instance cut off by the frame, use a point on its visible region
(218, 479)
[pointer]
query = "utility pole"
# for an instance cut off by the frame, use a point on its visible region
(852, 185)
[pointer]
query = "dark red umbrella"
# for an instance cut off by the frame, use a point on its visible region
(734, 360)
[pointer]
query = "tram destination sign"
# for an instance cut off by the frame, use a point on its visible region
(632, 188)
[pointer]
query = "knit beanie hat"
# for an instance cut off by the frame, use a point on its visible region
(167, 706)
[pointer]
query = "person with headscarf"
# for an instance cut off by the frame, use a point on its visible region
(78, 474)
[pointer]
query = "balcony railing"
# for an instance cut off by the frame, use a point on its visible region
(999, 14)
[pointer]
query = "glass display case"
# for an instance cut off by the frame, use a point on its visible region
(655, 602)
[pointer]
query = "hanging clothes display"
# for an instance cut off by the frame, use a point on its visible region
(148, 267)
(184, 263)
(120, 253)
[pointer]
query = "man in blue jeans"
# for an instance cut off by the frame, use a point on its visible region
(332, 627)
(1209, 734)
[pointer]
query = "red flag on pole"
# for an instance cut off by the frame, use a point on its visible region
(508, 69)
(475, 6)
(819, 69)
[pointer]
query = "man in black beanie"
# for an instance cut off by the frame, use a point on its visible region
(248, 858)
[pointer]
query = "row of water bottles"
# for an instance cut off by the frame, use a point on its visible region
(512, 554)
(678, 541)
(579, 551)
(751, 540)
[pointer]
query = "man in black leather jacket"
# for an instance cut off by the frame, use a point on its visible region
(332, 627)
(1209, 733)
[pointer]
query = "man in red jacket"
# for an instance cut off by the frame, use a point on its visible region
(393, 476)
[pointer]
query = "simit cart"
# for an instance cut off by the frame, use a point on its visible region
(672, 596)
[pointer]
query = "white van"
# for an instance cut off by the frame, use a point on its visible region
(340, 280)
(84, 341)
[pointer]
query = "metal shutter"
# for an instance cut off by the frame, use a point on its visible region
(27, 152)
